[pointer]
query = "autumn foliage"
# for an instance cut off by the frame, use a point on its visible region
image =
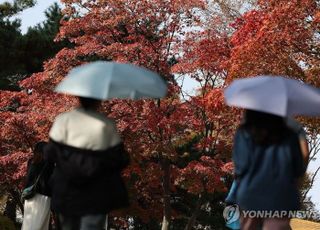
(180, 145)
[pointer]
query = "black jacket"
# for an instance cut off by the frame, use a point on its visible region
(85, 181)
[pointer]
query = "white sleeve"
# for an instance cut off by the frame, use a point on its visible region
(58, 130)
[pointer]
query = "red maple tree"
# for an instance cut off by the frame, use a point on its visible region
(140, 32)
(180, 146)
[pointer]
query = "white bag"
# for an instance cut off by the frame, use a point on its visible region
(36, 213)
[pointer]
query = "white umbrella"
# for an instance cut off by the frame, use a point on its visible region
(274, 94)
(106, 80)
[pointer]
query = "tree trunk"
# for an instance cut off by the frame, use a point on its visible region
(195, 214)
(165, 223)
(166, 190)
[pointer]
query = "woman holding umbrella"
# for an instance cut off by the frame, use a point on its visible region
(268, 161)
(89, 157)
(86, 147)
(269, 155)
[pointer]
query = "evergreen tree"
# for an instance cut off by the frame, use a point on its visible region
(11, 42)
(8, 9)
(22, 55)
(11, 51)
(39, 40)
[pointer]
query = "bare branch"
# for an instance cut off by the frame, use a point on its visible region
(311, 183)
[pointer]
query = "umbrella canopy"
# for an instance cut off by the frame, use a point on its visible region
(274, 94)
(106, 80)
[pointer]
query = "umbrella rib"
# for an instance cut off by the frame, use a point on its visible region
(286, 97)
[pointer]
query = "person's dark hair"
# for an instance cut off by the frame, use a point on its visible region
(265, 128)
(38, 151)
(89, 103)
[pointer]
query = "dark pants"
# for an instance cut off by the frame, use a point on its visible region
(88, 222)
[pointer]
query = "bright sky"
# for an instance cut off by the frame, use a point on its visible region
(315, 191)
(35, 15)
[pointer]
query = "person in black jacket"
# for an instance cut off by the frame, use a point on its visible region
(37, 208)
(89, 157)
(37, 165)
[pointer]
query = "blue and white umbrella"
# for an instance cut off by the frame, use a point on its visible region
(274, 94)
(106, 80)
